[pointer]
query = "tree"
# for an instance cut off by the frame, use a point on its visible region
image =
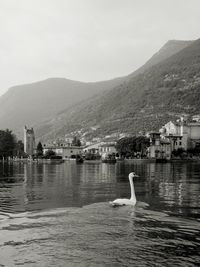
(128, 146)
(49, 154)
(19, 149)
(76, 141)
(39, 149)
(7, 143)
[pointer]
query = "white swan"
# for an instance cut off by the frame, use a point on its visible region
(125, 201)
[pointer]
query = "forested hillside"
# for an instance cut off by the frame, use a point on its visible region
(164, 91)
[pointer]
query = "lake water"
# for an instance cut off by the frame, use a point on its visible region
(59, 215)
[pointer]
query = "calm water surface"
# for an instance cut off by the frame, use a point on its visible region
(58, 215)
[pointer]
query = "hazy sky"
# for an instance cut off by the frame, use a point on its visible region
(87, 40)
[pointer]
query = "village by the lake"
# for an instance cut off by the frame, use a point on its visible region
(99, 133)
(176, 140)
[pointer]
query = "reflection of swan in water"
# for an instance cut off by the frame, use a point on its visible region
(125, 201)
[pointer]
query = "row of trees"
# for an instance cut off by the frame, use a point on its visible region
(131, 146)
(9, 145)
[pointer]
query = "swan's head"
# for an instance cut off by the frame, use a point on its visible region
(132, 175)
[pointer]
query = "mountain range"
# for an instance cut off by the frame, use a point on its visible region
(31, 103)
(165, 87)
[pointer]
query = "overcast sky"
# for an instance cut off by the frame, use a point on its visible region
(87, 40)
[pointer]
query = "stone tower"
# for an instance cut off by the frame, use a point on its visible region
(29, 141)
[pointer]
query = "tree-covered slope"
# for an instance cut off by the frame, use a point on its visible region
(170, 48)
(164, 91)
(32, 104)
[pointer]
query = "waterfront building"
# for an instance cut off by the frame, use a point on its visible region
(183, 133)
(159, 148)
(196, 118)
(171, 128)
(176, 141)
(69, 140)
(101, 148)
(63, 150)
(108, 148)
(29, 141)
(193, 133)
(92, 148)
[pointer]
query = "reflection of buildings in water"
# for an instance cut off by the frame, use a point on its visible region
(177, 187)
(169, 181)
(151, 170)
(180, 171)
(173, 193)
(171, 172)
(194, 194)
(40, 180)
(108, 172)
(120, 168)
(163, 172)
(179, 191)
(96, 172)
(33, 173)
(172, 182)
(25, 185)
(28, 193)
(90, 172)
(96, 181)
(136, 166)
(180, 194)
(131, 226)
(69, 184)
(12, 194)
(6, 170)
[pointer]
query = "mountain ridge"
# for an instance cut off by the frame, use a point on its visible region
(34, 103)
(144, 102)
(31, 103)
(169, 49)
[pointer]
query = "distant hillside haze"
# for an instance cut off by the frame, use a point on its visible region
(31, 103)
(144, 102)
(58, 105)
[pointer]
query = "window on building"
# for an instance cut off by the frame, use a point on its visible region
(180, 143)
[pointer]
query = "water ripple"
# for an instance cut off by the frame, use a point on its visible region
(98, 235)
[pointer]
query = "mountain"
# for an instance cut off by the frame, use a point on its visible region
(142, 103)
(170, 48)
(39, 103)
(32, 103)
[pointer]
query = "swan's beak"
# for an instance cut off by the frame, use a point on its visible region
(136, 176)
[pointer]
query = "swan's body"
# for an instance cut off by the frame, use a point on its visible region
(125, 201)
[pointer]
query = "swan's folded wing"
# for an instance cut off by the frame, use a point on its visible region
(117, 202)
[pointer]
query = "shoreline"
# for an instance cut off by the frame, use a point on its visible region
(99, 161)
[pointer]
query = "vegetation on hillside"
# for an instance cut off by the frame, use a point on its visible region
(144, 103)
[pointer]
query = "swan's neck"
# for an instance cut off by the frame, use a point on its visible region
(133, 197)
